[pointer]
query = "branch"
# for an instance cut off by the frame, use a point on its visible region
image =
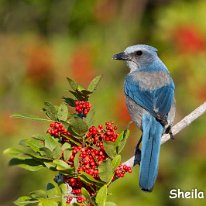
(186, 121)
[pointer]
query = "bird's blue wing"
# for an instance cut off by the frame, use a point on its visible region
(156, 101)
(164, 98)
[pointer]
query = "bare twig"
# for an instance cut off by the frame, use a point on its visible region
(177, 128)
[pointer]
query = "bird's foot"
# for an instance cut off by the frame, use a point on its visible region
(137, 156)
(169, 131)
(137, 153)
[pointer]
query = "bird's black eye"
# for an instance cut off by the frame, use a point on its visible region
(138, 53)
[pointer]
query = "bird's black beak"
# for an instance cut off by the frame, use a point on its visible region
(120, 56)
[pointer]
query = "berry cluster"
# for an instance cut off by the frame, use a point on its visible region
(96, 136)
(91, 155)
(57, 129)
(82, 107)
(76, 185)
(121, 170)
(89, 159)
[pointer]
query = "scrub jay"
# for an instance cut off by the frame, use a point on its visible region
(149, 92)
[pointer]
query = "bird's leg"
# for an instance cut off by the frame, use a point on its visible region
(139, 142)
(163, 121)
(169, 131)
(137, 152)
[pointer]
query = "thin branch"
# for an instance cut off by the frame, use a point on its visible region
(186, 121)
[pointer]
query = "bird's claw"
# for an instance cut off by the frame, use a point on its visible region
(169, 131)
(137, 153)
(137, 156)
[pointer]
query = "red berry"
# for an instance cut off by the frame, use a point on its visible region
(79, 199)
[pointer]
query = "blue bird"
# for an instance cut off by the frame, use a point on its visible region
(149, 92)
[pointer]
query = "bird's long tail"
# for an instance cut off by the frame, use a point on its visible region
(151, 138)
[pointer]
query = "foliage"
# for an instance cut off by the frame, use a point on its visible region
(41, 41)
(87, 159)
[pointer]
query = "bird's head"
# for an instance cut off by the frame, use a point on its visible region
(137, 56)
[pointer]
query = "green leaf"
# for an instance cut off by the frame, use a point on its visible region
(116, 162)
(63, 202)
(85, 193)
(47, 202)
(102, 196)
(94, 83)
(110, 148)
(30, 154)
(57, 152)
(80, 88)
(48, 154)
(62, 113)
(34, 144)
(78, 125)
(69, 101)
(67, 154)
(23, 153)
(25, 200)
(64, 189)
(73, 138)
(90, 118)
(39, 137)
(106, 171)
(53, 190)
(68, 126)
(66, 145)
(50, 142)
(28, 164)
(50, 165)
(76, 161)
(121, 140)
(22, 116)
(78, 95)
(88, 179)
(72, 83)
(50, 110)
(61, 165)
(45, 152)
(85, 93)
(13, 152)
(38, 194)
